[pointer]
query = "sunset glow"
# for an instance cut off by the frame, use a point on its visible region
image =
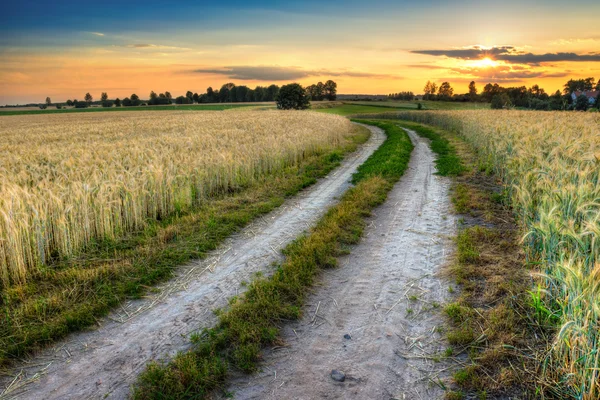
(64, 49)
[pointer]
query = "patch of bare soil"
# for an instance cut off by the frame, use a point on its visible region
(376, 320)
(103, 363)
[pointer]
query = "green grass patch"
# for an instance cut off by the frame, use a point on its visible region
(70, 295)
(448, 163)
(252, 321)
(185, 107)
(387, 161)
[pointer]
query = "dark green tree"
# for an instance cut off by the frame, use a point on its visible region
(500, 101)
(582, 103)
(445, 92)
(292, 97)
(272, 92)
(330, 90)
(472, 91)
(579, 85)
(48, 101)
(104, 96)
(117, 102)
(88, 98)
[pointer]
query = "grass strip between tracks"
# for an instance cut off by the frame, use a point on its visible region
(252, 320)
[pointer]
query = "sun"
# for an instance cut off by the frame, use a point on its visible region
(485, 63)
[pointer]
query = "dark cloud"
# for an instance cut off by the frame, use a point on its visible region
(276, 73)
(509, 54)
(471, 53)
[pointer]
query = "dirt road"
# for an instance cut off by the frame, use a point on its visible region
(103, 363)
(385, 296)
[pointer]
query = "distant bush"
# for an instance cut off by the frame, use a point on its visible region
(43, 107)
(538, 104)
(107, 104)
(500, 101)
(80, 104)
(582, 103)
(58, 106)
(183, 100)
(157, 101)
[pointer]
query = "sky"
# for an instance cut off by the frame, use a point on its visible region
(64, 49)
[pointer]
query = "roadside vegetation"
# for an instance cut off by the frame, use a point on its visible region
(495, 332)
(139, 215)
(252, 321)
(548, 164)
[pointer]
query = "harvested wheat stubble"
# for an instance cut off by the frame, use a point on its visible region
(69, 180)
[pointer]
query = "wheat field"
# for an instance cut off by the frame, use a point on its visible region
(550, 163)
(69, 180)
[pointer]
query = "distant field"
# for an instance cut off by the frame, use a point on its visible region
(185, 107)
(351, 109)
(427, 105)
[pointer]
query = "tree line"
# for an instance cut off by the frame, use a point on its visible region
(228, 93)
(534, 97)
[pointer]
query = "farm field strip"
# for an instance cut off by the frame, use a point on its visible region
(159, 326)
(549, 163)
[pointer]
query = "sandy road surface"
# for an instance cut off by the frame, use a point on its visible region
(385, 295)
(103, 363)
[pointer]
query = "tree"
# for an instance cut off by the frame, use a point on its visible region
(330, 90)
(430, 89)
(168, 95)
(446, 91)
(582, 103)
(183, 100)
(135, 100)
(104, 96)
(579, 85)
(117, 102)
(88, 98)
(190, 96)
(126, 102)
(69, 103)
(196, 98)
(292, 97)
(153, 95)
(500, 101)
(81, 104)
(489, 91)
(272, 92)
(472, 91)
(48, 101)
